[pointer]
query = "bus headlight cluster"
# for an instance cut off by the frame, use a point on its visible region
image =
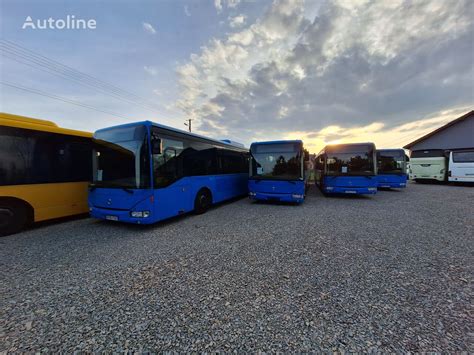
(372, 189)
(252, 194)
(329, 188)
(297, 196)
(140, 214)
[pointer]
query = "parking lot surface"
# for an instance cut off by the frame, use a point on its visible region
(391, 272)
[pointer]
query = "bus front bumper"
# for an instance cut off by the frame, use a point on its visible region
(265, 196)
(392, 185)
(121, 215)
(350, 190)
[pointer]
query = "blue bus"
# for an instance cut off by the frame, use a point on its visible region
(145, 172)
(391, 168)
(277, 171)
(347, 169)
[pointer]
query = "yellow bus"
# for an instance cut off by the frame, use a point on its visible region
(44, 171)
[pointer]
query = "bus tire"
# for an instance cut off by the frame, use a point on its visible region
(14, 216)
(203, 201)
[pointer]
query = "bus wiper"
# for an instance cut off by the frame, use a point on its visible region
(92, 187)
(130, 191)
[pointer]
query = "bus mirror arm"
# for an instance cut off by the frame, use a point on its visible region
(156, 146)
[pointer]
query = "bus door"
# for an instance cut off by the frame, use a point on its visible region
(172, 194)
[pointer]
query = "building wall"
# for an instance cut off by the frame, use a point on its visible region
(458, 136)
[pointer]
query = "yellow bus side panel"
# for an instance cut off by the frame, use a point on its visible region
(51, 200)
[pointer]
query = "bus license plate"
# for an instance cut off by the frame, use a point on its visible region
(111, 218)
(350, 192)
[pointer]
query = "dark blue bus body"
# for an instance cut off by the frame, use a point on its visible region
(347, 169)
(391, 168)
(277, 171)
(145, 173)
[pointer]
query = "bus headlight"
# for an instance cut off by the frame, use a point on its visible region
(140, 214)
(372, 189)
(297, 196)
(329, 188)
(252, 194)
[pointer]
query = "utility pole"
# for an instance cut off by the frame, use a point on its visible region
(188, 124)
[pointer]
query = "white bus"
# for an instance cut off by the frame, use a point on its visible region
(461, 166)
(428, 164)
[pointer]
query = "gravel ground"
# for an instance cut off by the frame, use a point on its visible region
(391, 272)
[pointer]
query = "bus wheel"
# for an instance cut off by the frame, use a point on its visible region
(203, 201)
(13, 217)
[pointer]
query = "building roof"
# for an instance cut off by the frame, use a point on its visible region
(442, 128)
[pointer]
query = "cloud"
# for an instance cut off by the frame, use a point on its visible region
(186, 10)
(149, 28)
(355, 64)
(151, 70)
(219, 4)
(377, 132)
(237, 21)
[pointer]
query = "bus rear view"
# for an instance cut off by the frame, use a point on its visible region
(428, 165)
(277, 171)
(347, 169)
(391, 168)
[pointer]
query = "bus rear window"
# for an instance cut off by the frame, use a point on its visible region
(463, 157)
(431, 153)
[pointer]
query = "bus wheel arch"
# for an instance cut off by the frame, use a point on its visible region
(203, 200)
(15, 214)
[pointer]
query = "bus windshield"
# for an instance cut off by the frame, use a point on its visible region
(121, 158)
(281, 161)
(391, 161)
(350, 160)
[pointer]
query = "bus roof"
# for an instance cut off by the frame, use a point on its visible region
(10, 120)
(391, 150)
(168, 128)
(278, 142)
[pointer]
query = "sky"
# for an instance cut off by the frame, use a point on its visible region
(322, 71)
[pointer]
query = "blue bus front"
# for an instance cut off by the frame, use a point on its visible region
(391, 168)
(121, 189)
(347, 169)
(277, 171)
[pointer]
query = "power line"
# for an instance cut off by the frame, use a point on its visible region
(72, 102)
(38, 61)
(55, 64)
(71, 74)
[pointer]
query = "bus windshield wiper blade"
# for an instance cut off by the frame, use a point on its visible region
(130, 191)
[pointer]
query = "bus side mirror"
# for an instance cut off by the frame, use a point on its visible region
(156, 146)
